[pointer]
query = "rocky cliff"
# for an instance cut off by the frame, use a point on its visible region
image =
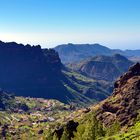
(124, 104)
(28, 71)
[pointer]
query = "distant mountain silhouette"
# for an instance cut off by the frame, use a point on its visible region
(76, 52)
(104, 67)
(70, 53)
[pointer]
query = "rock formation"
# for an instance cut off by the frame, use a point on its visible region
(124, 103)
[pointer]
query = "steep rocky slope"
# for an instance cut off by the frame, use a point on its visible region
(104, 67)
(124, 104)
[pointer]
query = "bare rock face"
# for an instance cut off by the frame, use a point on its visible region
(124, 103)
(133, 71)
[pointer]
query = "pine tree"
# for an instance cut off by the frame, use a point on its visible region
(55, 137)
(80, 131)
(65, 135)
(90, 130)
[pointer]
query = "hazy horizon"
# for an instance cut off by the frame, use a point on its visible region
(114, 24)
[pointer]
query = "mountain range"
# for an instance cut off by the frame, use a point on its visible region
(70, 53)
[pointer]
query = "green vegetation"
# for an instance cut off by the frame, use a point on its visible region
(85, 90)
(90, 128)
(132, 133)
(44, 117)
(79, 76)
(34, 123)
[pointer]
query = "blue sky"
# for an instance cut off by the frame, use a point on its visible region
(114, 23)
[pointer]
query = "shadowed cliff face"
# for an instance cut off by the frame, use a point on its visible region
(124, 104)
(27, 71)
(19, 63)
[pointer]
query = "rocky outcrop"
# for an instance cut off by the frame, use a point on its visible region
(124, 103)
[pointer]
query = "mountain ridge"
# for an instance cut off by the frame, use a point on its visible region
(84, 51)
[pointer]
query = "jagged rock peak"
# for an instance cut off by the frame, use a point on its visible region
(124, 104)
(133, 71)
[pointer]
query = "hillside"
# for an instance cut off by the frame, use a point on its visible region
(102, 67)
(26, 118)
(70, 53)
(116, 118)
(95, 90)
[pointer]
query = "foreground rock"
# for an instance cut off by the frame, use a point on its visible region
(124, 104)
